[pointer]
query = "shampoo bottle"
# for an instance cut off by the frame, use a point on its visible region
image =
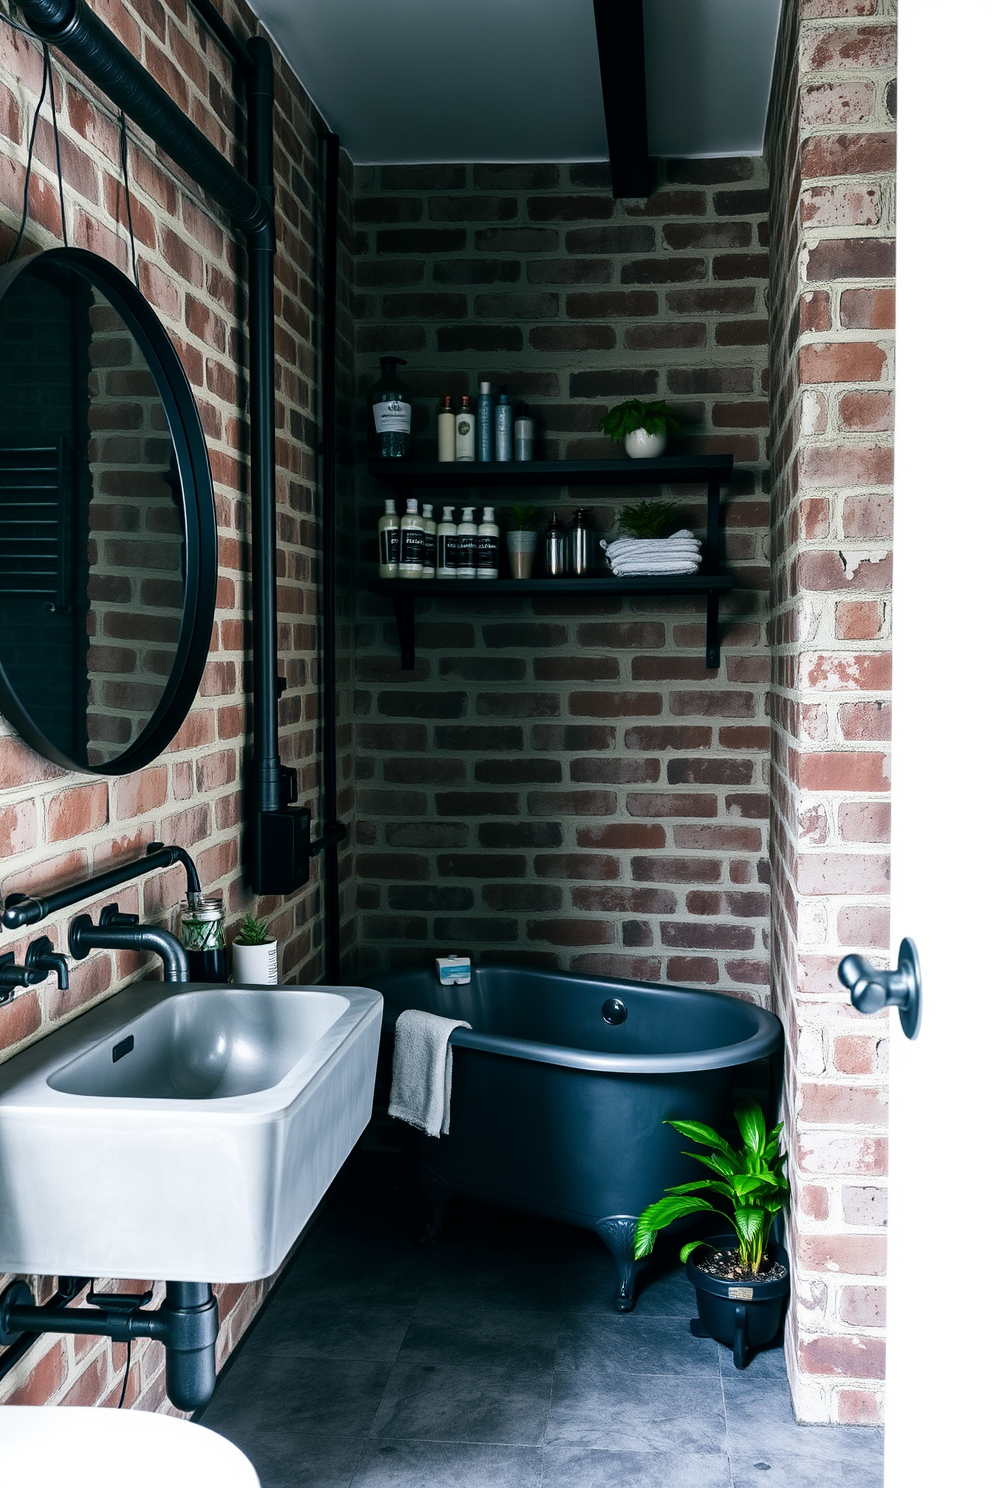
(390, 413)
(465, 431)
(523, 434)
(446, 430)
(504, 427)
(484, 423)
(487, 546)
(411, 542)
(468, 534)
(389, 541)
(447, 545)
(430, 542)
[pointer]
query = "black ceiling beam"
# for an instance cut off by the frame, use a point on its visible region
(620, 38)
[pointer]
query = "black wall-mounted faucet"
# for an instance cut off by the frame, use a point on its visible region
(122, 932)
(40, 960)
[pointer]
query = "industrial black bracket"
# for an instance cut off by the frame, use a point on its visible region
(186, 1323)
(620, 39)
(29, 909)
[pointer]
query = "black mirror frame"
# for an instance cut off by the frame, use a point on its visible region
(196, 485)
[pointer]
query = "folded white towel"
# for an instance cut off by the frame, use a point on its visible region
(661, 569)
(421, 1089)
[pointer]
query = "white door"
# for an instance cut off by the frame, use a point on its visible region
(939, 1390)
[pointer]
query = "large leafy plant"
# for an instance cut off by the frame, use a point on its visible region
(750, 1184)
(655, 417)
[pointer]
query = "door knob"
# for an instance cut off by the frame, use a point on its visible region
(871, 989)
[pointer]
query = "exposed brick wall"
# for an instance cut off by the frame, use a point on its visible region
(832, 157)
(560, 781)
(56, 827)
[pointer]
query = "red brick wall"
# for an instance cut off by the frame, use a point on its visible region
(832, 157)
(561, 781)
(56, 827)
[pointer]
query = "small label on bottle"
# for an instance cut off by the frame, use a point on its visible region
(389, 545)
(447, 550)
(486, 551)
(465, 552)
(392, 417)
(411, 545)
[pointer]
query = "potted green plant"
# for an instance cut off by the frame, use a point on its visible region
(521, 540)
(647, 520)
(643, 427)
(742, 1287)
(255, 953)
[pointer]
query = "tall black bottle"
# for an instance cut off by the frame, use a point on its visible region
(389, 414)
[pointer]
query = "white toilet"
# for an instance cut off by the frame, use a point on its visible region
(51, 1445)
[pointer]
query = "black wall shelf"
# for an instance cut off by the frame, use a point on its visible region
(713, 471)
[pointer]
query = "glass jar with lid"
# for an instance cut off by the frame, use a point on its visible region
(201, 933)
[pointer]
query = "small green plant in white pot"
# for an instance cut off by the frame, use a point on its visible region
(255, 954)
(643, 427)
(521, 540)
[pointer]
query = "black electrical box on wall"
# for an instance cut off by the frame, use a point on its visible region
(280, 850)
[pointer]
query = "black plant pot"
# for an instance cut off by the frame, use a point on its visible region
(746, 1316)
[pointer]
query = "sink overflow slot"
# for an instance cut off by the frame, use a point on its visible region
(124, 1047)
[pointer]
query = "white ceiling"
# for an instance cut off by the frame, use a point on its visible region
(503, 80)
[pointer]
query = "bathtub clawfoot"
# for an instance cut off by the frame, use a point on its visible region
(437, 1193)
(617, 1233)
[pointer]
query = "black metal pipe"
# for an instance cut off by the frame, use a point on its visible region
(68, 1289)
(212, 18)
(79, 35)
(333, 831)
(84, 937)
(29, 909)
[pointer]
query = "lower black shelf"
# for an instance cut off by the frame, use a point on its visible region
(403, 592)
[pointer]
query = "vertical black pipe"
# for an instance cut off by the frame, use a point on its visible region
(265, 776)
(332, 925)
(190, 1307)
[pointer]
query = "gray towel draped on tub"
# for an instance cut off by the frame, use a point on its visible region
(421, 1090)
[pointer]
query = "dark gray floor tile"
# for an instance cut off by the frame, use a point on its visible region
(496, 1286)
(584, 1467)
(284, 1460)
(638, 1412)
(404, 1464)
(312, 1326)
(494, 1404)
(629, 1344)
(299, 1397)
(766, 1364)
(804, 1467)
(446, 1331)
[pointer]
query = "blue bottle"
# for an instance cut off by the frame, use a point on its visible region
(504, 427)
(484, 423)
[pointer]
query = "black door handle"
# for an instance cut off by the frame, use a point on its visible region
(871, 989)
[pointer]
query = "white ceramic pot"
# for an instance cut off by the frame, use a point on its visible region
(258, 965)
(640, 445)
(521, 546)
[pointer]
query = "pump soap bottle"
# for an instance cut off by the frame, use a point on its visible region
(447, 545)
(487, 546)
(411, 542)
(468, 534)
(430, 542)
(389, 541)
(390, 412)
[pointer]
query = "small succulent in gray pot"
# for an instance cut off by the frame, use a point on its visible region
(742, 1288)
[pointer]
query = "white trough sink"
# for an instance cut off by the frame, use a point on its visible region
(182, 1133)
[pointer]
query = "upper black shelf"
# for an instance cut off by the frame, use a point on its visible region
(674, 469)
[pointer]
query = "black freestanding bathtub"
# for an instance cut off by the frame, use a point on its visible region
(561, 1088)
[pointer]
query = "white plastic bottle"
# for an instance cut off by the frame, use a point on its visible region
(389, 541)
(430, 542)
(411, 565)
(446, 431)
(465, 431)
(447, 545)
(487, 546)
(468, 534)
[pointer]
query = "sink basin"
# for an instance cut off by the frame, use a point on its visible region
(182, 1133)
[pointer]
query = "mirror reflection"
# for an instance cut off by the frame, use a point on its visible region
(92, 531)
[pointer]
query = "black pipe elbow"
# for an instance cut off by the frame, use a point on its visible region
(84, 937)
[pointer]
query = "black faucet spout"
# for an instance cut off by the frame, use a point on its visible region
(113, 935)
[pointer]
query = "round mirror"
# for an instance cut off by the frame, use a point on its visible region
(108, 539)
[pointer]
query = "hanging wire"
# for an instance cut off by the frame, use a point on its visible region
(58, 148)
(127, 195)
(127, 1371)
(46, 72)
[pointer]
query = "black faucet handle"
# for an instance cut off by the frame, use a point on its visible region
(112, 915)
(41, 959)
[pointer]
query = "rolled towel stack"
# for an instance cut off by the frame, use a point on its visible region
(680, 554)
